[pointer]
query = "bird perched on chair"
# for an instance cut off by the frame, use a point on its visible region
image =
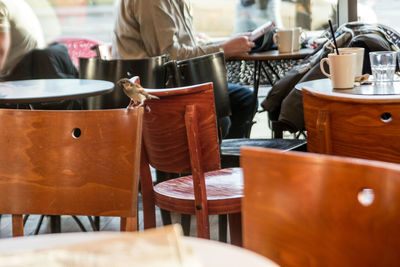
(136, 92)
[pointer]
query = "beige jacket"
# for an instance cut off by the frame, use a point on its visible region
(147, 28)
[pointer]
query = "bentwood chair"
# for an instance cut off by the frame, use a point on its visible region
(180, 136)
(212, 68)
(361, 127)
(71, 162)
(306, 209)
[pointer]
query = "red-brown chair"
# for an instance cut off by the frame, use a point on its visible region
(70, 162)
(180, 136)
(306, 209)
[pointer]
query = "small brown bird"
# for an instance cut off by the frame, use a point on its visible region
(136, 92)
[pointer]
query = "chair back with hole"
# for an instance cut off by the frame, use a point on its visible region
(79, 47)
(305, 209)
(70, 163)
(150, 70)
(166, 129)
(354, 127)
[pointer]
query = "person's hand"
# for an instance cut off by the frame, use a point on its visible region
(237, 46)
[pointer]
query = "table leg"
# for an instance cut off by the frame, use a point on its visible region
(272, 70)
(55, 223)
(256, 84)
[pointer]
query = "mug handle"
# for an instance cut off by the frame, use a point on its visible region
(321, 65)
(275, 38)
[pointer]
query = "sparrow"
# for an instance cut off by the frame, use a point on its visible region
(136, 92)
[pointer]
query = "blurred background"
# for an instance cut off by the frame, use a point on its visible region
(217, 18)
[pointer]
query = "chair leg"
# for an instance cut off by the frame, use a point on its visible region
(203, 224)
(235, 228)
(17, 225)
(166, 217)
(149, 213)
(79, 223)
(129, 224)
(97, 222)
(185, 222)
(55, 223)
(93, 222)
(39, 225)
(222, 227)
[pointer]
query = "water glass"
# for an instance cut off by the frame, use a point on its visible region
(383, 65)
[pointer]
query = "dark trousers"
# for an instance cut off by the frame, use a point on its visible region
(242, 107)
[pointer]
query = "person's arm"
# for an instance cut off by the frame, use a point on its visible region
(237, 46)
(4, 47)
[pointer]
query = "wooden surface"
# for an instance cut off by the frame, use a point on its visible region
(224, 187)
(45, 169)
(51, 90)
(355, 127)
(388, 91)
(302, 209)
(275, 55)
(180, 136)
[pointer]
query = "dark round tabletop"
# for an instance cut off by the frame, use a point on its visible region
(275, 55)
(51, 90)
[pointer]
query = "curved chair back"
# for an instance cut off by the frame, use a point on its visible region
(359, 127)
(167, 131)
(208, 68)
(74, 162)
(305, 209)
(150, 70)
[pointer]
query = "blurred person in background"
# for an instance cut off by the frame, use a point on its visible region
(250, 14)
(20, 32)
(148, 28)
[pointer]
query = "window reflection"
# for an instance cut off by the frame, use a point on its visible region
(217, 18)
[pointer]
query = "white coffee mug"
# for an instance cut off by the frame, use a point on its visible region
(299, 36)
(283, 38)
(341, 68)
(360, 57)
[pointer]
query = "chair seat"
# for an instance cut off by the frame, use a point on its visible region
(231, 147)
(224, 192)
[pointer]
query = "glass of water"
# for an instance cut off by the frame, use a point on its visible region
(383, 65)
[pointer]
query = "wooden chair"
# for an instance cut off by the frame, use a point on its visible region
(306, 209)
(180, 136)
(70, 163)
(352, 126)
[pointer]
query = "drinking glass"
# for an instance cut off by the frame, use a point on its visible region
(383, 65)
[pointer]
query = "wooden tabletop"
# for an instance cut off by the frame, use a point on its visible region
(51, 90)
(385, 90)
(275, 55)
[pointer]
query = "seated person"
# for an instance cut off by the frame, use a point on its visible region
(148, 28)
(20, 32)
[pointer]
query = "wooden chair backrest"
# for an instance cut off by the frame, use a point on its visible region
(352, 127)
(166, 129)
(302, 209)
(70, 162)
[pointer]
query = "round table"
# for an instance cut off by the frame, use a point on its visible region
(51, 90)
(384, 90)
(209, 253)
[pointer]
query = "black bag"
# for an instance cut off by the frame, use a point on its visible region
(264, 42)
